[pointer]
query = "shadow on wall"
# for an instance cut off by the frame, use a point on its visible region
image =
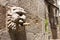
(18, 35)
(53, 26)
(52, 19)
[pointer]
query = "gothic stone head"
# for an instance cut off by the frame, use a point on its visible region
(18, 14)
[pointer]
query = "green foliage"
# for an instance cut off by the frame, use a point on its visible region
(46, 25)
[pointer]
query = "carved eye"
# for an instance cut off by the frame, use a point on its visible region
(14, 9)
(19, 13)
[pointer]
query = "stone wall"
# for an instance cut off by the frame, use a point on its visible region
(36, 10)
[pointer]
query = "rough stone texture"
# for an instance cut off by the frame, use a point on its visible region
(35, 16)
(4, 35)
(35, 10)
(2, 17)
